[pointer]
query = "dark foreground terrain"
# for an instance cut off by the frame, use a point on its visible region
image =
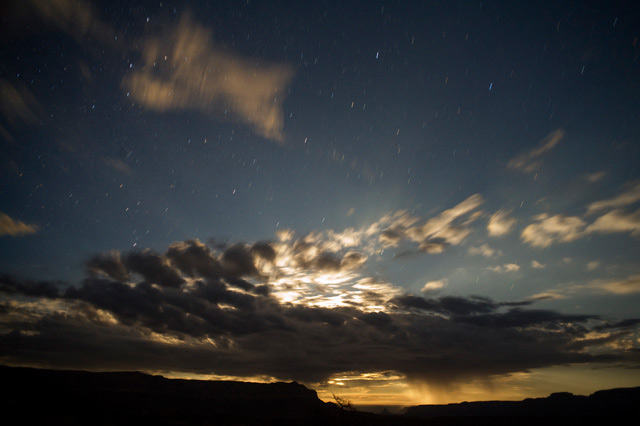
(50, 397)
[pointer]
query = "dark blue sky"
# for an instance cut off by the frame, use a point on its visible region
(390, 158)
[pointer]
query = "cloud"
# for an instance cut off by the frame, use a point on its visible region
(630, 196)
(595, 177)
(15, 228)
(549, 230)
(624, 286)
(529, 162)
(76, 18)
(617, 221)
(446, 229)
(507, 267)
(434, 285)
(194, 309)
(183, 70)
(537, 265)
(118, 165)
(591, 266)
(17, 103)
(500, 223)
(484, 250)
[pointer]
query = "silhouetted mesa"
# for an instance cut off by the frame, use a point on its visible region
(54, 397)
(76, 397)
(604, 403)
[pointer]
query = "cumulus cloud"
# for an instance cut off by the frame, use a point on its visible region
(548, 230)
(501, 223)
(206, 327)
(630, 196)
(183, 70)
(530, 161)
(229, 310)
(434, 285)
(15, 228)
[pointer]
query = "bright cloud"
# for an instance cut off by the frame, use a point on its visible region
(501, 223)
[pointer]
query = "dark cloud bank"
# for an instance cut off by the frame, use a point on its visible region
(195, 310)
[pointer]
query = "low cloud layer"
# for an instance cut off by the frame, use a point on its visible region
(292, 309)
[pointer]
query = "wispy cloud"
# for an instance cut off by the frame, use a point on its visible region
(537, 265)
(630, 196)
(530, 161)
(17, 103)
(183, 70)
(118, 165)
(450, 227)
(15, 228)
(595, 177)
(548, 230)
(483, 250)
(507, 267)
(623, 286)
(617, 221)
(77, 18)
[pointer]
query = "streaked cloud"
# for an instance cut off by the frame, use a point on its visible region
(184, 70)
(15, 228)
(501, 223)
(617, 221)
(17, 103)
(618, 286)
(77, 18)
(483, 250)
(595, 177)
(630, 196)
(507, 267)
(530, 161)
(548, 230)
(118, 165)
(450, 227)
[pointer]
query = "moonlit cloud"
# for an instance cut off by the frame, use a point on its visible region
(507, 267)
(548, 230)
(501, 223)
(625, 286)
(183, 70)
(537, 265)
(630, 196)
(617, 221)
(17, 103)
(434, 285)
(15, 228)
(595, 177)
(484, 250)
(451, 227)
(529, 162)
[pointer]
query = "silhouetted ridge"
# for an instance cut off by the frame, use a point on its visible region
(614, 402)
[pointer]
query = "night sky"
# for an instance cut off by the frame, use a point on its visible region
(399, 202)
